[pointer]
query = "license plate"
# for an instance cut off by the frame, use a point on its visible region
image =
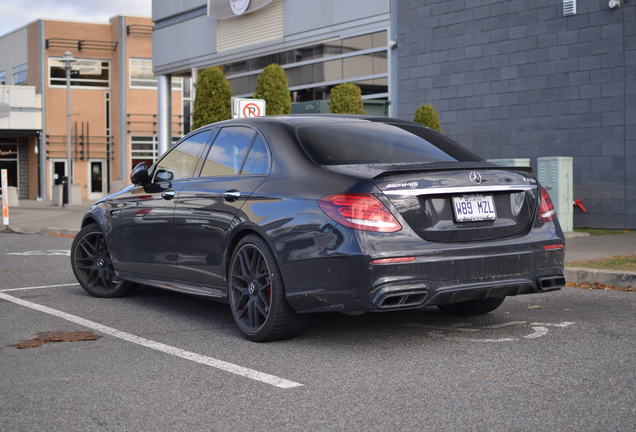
(472, 208)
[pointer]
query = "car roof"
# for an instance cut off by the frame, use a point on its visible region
(310, 119)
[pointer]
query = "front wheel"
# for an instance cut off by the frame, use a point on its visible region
(257, 295)
(93, 266)
(472, 307)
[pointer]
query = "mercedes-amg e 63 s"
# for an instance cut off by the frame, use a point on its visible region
(285, 216)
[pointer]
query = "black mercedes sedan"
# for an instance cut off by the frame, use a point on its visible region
(285, 216)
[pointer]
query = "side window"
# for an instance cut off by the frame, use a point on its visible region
(182, 160)
(257, 162)
(228, 152)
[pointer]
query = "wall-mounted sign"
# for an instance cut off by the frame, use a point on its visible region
(222, 9)
(247, 107)
(239, 6)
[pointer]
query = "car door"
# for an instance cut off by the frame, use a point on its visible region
(145, 225)
(237, 163)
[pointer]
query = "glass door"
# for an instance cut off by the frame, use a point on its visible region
(96, 179)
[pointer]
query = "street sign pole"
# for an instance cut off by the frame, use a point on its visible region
(5, 197)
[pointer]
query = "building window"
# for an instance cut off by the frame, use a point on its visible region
(20, 75)
(143, 148)
(315, 69)
(3, 77)
(9, 161)
(141, 75)
(84, 73)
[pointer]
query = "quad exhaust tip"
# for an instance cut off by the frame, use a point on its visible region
(551, 283)
(402, 299)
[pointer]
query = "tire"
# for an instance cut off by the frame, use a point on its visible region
(92, 264)
(256, 293)
(472, 307)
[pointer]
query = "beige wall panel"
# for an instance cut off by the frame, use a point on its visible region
(254, 28)
(33, 55)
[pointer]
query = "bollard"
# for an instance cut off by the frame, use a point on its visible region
(65, 191)
(5, 197)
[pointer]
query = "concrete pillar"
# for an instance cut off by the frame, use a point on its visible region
(123, 83)
(194, 73)
(165, 113)
(393, 61)
(42, 136)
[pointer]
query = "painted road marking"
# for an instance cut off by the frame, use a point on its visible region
(148, 343)
(539, 329)
(50, 252)
(38, 287)
(538, 332)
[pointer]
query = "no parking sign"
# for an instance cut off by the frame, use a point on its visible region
(247, 107)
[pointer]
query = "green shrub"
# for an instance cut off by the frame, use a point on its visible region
(212, 102)
(427, 116)
(271, 85)
(346, 98)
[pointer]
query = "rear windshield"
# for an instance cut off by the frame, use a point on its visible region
(378, 143)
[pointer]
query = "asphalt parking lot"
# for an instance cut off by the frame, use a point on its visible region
(166, 361)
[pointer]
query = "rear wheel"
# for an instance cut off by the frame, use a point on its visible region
(93, 266)
(472, 307)
(257, 295)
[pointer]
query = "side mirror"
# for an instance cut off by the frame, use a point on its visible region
(139, 174)
(164, 176)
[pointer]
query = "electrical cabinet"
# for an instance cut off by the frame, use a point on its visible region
(514, 162)
(556, 175)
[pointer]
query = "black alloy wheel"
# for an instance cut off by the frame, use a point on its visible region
(93, 266)
(251, 288)
(256, 293)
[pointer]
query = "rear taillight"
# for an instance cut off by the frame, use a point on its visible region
(359, 211)
(547, 213)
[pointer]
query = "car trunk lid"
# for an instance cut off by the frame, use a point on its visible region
(462, 201)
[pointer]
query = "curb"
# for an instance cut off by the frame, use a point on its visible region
(575, 234)
(56, 232)
(620, 279)
(15, 229)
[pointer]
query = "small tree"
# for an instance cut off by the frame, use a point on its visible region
(346, 98)
(427, 116)
(272, 86)
(212, 102)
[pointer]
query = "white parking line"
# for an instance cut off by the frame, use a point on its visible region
(38, 287)
(168, 349)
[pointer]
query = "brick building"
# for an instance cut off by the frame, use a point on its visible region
(528, 78)
(113, 103)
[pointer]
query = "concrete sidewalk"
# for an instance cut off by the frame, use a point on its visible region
(43, 217)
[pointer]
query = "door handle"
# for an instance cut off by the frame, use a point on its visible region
(231, 195)
(168, 195)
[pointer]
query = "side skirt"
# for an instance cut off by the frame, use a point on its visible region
(216, 293)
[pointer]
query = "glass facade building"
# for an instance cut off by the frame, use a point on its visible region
(313, 70)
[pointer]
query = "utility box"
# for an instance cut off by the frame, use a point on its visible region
(514, 162)
(311, 107)
(556, 175)
(371, 107)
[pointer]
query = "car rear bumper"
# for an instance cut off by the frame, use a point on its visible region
(435, 277)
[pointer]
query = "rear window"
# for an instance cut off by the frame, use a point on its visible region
(378, 143)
